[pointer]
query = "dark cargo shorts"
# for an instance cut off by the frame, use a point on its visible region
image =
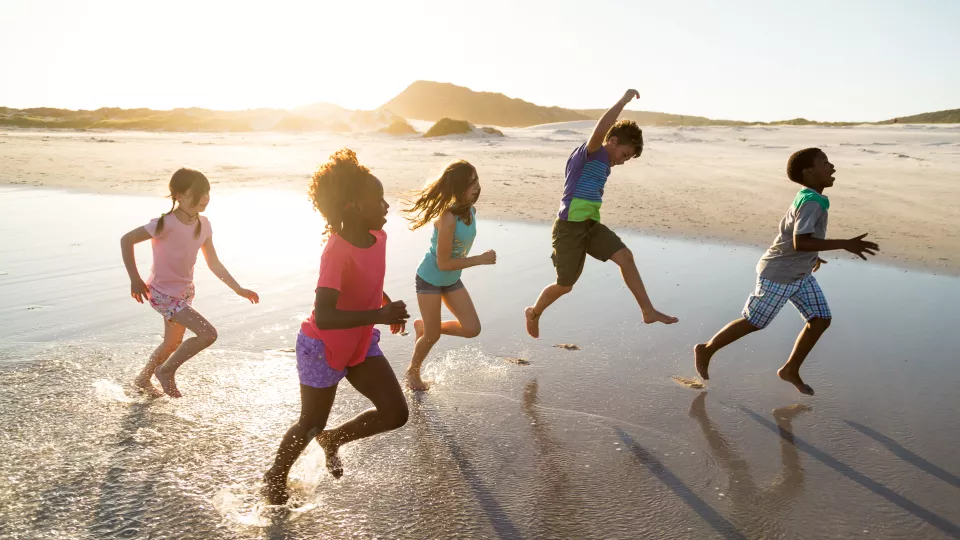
(574, 240)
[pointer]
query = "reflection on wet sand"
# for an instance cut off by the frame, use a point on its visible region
(757, 510)
(558, 511)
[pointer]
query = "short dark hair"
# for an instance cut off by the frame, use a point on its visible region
(799, 161)
(627, 132)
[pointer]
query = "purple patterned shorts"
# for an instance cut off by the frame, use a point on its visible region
(313, 367)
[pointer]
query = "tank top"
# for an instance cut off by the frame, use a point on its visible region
(463, 237)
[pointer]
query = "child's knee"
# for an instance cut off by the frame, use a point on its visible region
(397, 414)
(208, 336)
(623, 258)
(819, 325)
(471, 330)
(563, 289)
(431, 335)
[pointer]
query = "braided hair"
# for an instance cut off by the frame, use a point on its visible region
(181, 182)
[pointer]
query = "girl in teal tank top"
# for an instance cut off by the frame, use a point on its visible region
(447, 202)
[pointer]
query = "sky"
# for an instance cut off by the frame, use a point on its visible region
(849, 60)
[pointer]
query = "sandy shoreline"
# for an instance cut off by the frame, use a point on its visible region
(717, 184)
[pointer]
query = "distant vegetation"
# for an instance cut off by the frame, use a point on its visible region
(399, 127)
(448, 126)
(422, 100)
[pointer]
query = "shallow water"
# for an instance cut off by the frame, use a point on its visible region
(595, 443)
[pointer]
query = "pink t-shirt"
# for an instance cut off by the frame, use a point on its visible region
(175, 253)
(358, 274)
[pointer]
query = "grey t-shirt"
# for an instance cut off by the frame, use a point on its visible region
(783, 264)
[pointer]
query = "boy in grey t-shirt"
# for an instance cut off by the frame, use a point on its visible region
(785, 272)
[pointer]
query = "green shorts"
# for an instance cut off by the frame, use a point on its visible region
(574, 240)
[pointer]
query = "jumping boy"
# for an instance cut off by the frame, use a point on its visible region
(577, 231)
(785, 272)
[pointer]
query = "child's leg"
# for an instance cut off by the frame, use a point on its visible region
(374, 379)
(467, 322)
(631, 276)
(206, 334)
(569, 253)
(762, 306)
(172, 337)
(315, 405)
(428, 333)
(812, 305)
(548, 296)
(727, 335)
(808, 337)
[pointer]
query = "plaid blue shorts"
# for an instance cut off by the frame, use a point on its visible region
(770, 297)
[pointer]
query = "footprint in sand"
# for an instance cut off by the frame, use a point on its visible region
(516, 360)
(689, 383)
(567, 346)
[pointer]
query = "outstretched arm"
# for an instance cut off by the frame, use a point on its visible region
(857, 245)
(607, 120)
(219, 270)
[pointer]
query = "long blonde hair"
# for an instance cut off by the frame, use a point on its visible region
(447, 192)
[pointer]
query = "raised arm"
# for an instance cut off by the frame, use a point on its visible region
(607, 120)
(219, 270)
(138, 289)
(328, 317)
(447, 225)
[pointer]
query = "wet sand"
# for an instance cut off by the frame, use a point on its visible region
(897, 183)
(592, 443)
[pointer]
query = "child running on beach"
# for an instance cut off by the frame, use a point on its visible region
(176, 236)
(785, 272)
(577, 231)
(448, 203)
(338, 340)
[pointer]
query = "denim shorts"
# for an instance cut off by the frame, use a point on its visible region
(425, 287)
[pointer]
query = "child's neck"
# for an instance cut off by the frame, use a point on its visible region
(357, 236)
(184, 217)
(818, 189)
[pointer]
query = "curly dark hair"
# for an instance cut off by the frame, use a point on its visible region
(799, 161)
(627, 132)
(447, 192)
(337, 184)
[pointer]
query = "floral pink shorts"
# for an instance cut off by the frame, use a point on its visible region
(167, 305)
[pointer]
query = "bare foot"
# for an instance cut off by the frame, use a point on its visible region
(275, 489)
(145, 386)
(702, 358)
(418, 329)
(332, 454)
(167, 382)
(415, 383)
(533, 322)
(657, 317)
(794, 379)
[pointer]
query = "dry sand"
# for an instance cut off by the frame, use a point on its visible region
(900, 184)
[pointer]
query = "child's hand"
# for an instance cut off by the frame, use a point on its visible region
(139, 290)
(487, 257)
(819, 262)
(858, 246)
(629, 95)
(253, 297)
(393, 313)
(398, 328)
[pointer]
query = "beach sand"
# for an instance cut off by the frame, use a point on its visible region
(599, 442)
(897, 183)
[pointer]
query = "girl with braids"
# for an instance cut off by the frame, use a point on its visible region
(339, 340)
(176, 236)
(448, 203)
